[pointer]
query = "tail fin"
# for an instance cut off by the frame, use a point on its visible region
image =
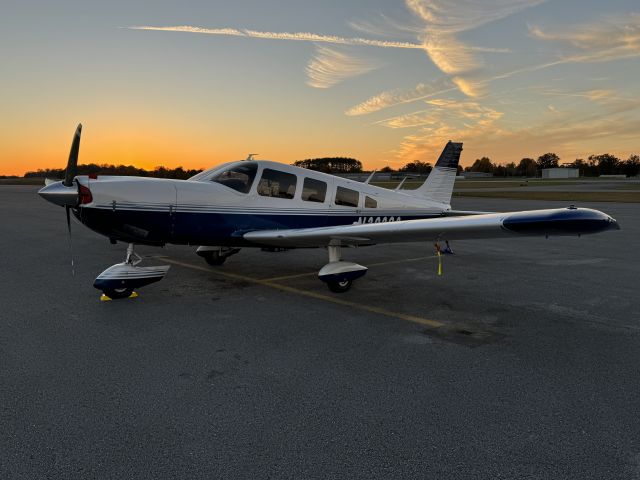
(439, 184)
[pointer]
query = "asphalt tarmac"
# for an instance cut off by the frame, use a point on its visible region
(521, 361)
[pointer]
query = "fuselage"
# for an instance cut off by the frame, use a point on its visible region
(220, 205)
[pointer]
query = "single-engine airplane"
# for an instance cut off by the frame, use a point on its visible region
(258, 203)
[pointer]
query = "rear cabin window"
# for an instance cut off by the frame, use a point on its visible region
(314, 190)
(237, 177)
(370, 203)
(347, 197)
(274, 183)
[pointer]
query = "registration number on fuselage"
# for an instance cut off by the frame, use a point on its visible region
(378, 219)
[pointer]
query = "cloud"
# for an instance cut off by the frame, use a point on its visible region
(567, 132)
(614, 38)
(469, 88)
(392, 98)
(444, 19)
(300, 36)
(599, 95)
(385, 26)
(329, 67)
(443, 120)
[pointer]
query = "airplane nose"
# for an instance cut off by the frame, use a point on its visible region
(58, 194)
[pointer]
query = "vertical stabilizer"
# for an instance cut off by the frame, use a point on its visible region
(439, 184)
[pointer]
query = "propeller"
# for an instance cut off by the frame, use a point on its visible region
(73, 266)
(72, 164)
(69, 175)
(66, 193)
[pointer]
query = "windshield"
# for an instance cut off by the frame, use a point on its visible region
(238, 176)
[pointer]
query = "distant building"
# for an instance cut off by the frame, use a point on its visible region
(553, 173)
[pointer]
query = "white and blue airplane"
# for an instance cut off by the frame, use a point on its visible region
(258, 203)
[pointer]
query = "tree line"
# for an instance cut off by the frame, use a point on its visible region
(594, 166)
(124, 170)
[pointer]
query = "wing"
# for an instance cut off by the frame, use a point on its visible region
(562, 221)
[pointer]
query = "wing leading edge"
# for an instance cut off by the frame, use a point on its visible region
(561, 221)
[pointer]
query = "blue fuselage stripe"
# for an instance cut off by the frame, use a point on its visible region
(208, 228)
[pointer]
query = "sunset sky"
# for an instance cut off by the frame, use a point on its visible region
(197, 83)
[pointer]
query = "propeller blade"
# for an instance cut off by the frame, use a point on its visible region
(68, 210)
(72, 164)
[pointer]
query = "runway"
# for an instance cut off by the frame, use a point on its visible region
(520, 361)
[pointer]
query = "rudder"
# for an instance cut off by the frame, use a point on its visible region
(438, 186)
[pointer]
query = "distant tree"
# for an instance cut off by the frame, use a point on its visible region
(510, 169)
(527, 167)
(607, 164)
(583, 167)
(460, 170)
(548, 160)
(631, 167)
(331, 164)
(422, 168)
(386, 169)
(483, 165)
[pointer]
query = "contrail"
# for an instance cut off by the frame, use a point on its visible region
(300, 36)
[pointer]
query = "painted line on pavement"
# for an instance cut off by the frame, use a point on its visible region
(319, 296)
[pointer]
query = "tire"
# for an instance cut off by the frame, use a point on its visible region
(215, 258)
(118, 293)
(340, 287)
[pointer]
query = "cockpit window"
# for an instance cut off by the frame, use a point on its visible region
(274, 183)
(238, 176)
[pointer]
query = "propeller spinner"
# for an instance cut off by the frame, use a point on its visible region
(65, 193)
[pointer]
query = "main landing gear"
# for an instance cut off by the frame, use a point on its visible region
(339, 275)
(216, 255)
(120, 280)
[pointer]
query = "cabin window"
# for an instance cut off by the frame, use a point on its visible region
(347, 197)
(314, 190)
(277, 184)
(239, 177)
(370, 203)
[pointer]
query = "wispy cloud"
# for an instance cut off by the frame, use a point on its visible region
(299, 36)
(385, 26)
(444, 19)
(567, 131)
(329, 67)
(444, 119)
(468, 87)
(599, 95)
(392, 98)
(612, 39)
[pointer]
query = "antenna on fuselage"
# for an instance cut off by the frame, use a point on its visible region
(250, 156)
(399, 187)
(370, 177)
